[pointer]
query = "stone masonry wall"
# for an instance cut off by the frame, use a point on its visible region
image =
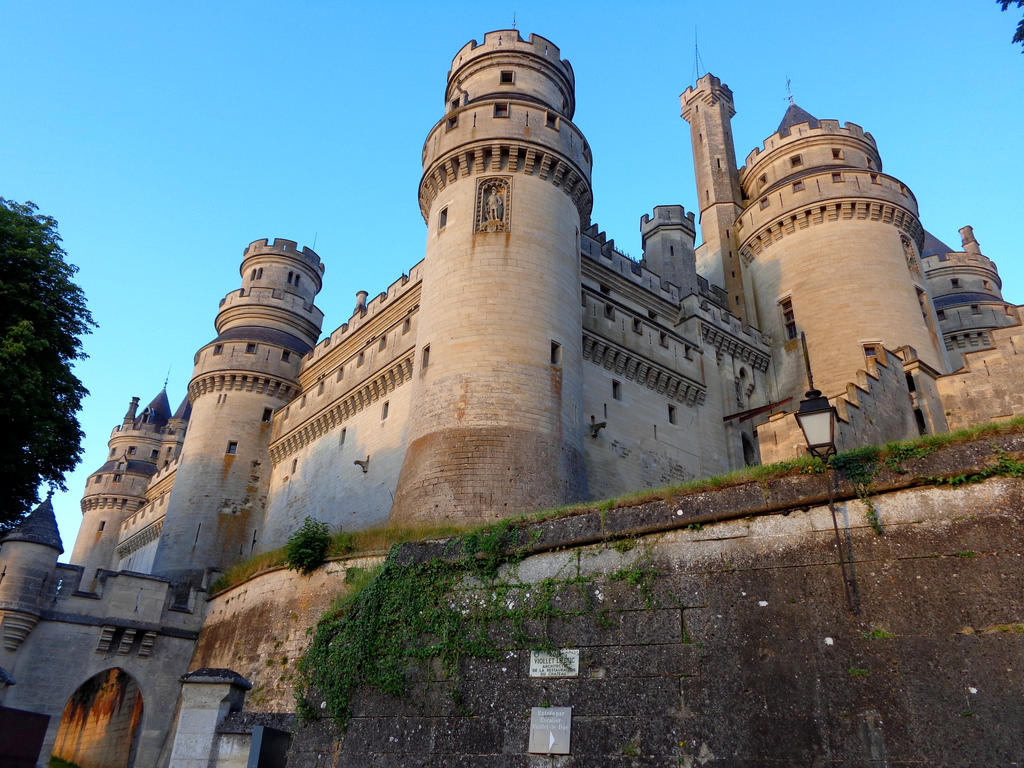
(713, 630)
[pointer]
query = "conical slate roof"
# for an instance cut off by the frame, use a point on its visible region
(184, 410)
(40, 527)
(794, 116)
(157, 412)
(933, 246)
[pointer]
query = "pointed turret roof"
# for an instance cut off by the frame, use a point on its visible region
(794, 116)
(184, 410)
(40, 527)
(933, 246)
(157, 412)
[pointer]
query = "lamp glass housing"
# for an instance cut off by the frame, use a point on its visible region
(817, 419)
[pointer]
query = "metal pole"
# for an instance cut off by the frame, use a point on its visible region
(849, 585)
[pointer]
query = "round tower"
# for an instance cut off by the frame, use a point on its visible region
(28, 558)
(832, 244)
(249, 370)
(498, 386)
(117, 489)
(967, 293)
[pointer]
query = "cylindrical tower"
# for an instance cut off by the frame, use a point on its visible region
(263, 330)
(117, 489)
(28, 557)
(506, 184)
(967, 292)
(832, 245)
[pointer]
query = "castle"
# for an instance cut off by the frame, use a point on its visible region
(523, 363)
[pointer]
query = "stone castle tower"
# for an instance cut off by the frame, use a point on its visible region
(829, 244)
(506, 185)
(251, 368)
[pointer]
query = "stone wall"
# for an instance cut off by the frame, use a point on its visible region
(259, 628)
(713, 630)
(988, 387)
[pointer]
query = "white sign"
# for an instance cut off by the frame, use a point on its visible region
(564, 663)
(549, 730)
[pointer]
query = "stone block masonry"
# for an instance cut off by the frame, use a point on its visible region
(713, 630)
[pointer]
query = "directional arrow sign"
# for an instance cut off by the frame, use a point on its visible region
(549, 730)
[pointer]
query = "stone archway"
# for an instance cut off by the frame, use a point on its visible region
(100, 725)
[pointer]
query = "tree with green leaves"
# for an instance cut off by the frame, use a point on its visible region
(1019, 36)
(42, 318)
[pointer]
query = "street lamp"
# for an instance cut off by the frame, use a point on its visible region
(817, 419)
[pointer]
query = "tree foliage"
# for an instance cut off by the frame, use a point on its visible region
(42, 318)
(307, 547)
(1019, 35)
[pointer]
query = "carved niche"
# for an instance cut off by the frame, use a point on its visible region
(493, 204)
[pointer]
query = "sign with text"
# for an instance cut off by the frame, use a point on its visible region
(564, 663)
(549, 730)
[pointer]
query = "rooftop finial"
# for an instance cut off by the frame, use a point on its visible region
(513, 19)
(698, 65)
(167, 377)
(789, 89)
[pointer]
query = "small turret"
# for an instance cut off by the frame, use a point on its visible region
(970, 244)
(28, 557)
(133, 407)
(667, 239)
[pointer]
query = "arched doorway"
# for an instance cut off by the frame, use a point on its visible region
(100, 725)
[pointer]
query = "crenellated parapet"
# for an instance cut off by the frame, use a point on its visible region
(279, 247)
(820, 133)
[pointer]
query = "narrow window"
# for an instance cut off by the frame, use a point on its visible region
(837, 154)
(297, 280)
(290, 275)
(302, 402)
(870, 351)
(609, 311)
(361, 359)
(406, 324)
(671, 414)
(637, 325)
(117, 478)
(382, 345)
(788, 318)
(797, 186)
(663, 339)
(874, 178)
(796, 161)
(454, 104)
(556, 353)
(259, 273)
(285, 355)
(384, 410)
(501, 110)
(603, 288)
(131, 450)
(341, 438)
(764, 203)
(652, 315)
(99, 479)
(425, 357)
(103, 524)
(253, 275)
(764, 179)
(975, 309)
(451, 122)
(987, 285)
(320, 388)
(507, 77)
(232, 448)
(218, 349)
(941, 314)
(295, 465)
(154, 454)
(442, 218)
(955, 282)
(616, 390)
(837, 177)
(341, 372)
(267, 414)
(250, 349)
(551, 120)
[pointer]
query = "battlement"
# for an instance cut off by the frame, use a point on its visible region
(596, 246)
(281, 247)
(959, 259)
(708, 90)
(667, 215)
(504, 40)
(803, 131)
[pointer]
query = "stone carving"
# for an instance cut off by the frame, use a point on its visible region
(911, 255)
(493, 204)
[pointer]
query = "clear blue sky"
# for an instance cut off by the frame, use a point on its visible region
(166, 137)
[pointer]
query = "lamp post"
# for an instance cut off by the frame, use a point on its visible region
(817, 419)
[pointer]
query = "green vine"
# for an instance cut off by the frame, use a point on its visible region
(859, 467)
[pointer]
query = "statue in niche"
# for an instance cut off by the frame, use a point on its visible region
(492, 205)
(908, 250)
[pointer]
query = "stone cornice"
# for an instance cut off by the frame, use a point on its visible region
(830, 212)
(343, 409)
(632, 366)
(506, 157)
(140, 539)
(219, 381)
(726, 342)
